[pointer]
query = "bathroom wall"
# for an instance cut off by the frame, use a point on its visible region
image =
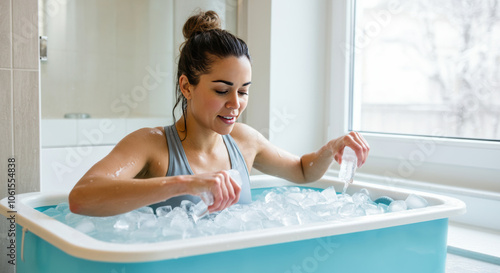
(107, 58)
(19, 103)
(113, 60)
(287, 41)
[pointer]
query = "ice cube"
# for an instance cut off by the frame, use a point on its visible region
(252, 225)
(180, 220)
(105, 224)
(187, 205)
(222, 217)
(235, 175)
(397, 205)
(206, 226)
(272, 197)
(164, 221)
(273, 211)
(71, 219)
(271, 223)
(147, 221)
(199, 210)
(333, 217)
(171, 234)
(305, 218)
(63, 207)
(345, 198)
(143, 236)
(163, 211)
(330, 194)
(145, 210)
(307, 202)
(122, 224)
(294, 197)
(371, 209)
(233, 224)
(316, 197)
(85, 226)
(290, 219)
(52, 212)
(348, 210)
(323, 209)
(365, 191)
(127, 221)
(360, 211)
(252, 215)
(291, 189)
(414, 201)
(361, 198)
(383, 207)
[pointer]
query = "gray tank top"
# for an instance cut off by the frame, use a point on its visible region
(179, 165)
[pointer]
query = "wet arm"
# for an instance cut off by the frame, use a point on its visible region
(111, 187)
(309, 167)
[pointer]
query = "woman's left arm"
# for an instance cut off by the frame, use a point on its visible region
(310, 167)
(314, 165)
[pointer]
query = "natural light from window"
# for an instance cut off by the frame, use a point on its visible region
(424, 67)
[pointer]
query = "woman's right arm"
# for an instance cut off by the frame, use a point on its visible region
(112, 187)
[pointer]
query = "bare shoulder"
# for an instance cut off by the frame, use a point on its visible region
(154, 134)
(245, 134)
(143, 140)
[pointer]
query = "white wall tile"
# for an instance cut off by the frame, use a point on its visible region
(100, 131)
(59, 132)
(25, 34)
(6, 146)
(63, 167)
(26, 130)
(54, 81)
(5, 34)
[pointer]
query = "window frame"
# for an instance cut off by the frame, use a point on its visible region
(476, 155)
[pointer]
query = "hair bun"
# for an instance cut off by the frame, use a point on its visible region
(203, 21)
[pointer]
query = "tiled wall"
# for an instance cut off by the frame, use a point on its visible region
(19, 102)
(20, 111)
(111, 59)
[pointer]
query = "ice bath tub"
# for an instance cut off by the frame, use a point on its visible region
(406, 241)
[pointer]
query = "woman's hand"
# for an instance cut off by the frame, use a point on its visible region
(224, 189)
(355, 141)
(314, 165)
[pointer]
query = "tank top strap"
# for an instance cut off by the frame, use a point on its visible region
(238, 163)
(177, 162)
(177, 165)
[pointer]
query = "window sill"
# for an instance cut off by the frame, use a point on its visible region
(474, 242)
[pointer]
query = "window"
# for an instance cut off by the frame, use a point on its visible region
(427, 118)
(429, 68)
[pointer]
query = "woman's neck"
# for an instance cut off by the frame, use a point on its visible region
(197, 138)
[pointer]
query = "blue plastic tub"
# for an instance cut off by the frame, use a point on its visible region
(406, 241)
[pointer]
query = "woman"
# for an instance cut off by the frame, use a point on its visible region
(168, 164)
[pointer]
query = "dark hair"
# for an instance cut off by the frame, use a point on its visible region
(205, 42)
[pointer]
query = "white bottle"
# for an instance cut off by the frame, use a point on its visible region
(348, 166)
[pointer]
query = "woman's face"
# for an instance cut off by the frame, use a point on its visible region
(222, 95)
